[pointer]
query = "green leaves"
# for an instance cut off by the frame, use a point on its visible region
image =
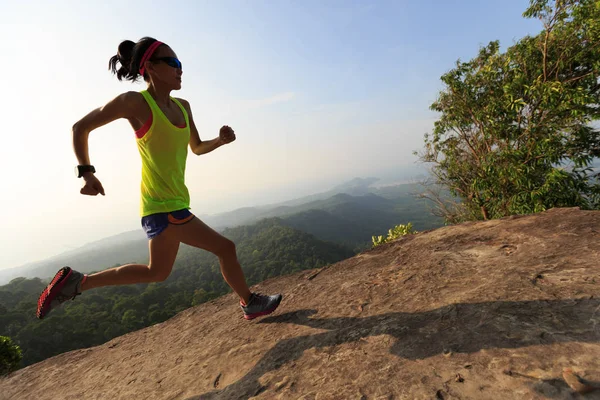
(394, 233)
(514, 134)
(10, 356)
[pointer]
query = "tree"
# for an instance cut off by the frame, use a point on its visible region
(516, 132)
(10, 356)
(131, 320)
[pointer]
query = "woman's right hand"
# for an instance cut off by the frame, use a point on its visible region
(92, 186)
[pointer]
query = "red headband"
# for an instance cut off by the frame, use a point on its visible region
(147, 55)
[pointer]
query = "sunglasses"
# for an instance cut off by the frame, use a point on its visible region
(170, 61)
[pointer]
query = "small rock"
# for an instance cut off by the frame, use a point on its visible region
(282, 383)
(577, 383)
(217, 381)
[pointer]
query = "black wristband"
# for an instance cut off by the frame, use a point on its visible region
(82, 169)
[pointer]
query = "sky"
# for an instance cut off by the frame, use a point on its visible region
(316, 91)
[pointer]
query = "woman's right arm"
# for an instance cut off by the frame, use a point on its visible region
(123, 106)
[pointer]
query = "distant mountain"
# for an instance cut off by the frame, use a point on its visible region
(334, 216)
(327, 226)
(356, 186)
(125, 247)
(353, 220)
(402, 193)
(246, 215)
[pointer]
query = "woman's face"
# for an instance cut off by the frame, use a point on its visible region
(166, 67)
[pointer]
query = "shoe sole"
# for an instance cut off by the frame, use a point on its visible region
(260, 314)
(49, 294)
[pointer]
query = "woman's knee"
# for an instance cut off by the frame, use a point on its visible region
(226, 248)
(158, 274)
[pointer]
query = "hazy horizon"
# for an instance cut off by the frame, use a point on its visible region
(317, 92)
(261, 199)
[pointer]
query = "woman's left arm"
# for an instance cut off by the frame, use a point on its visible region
(226, 135)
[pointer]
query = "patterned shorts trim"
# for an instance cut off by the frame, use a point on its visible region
(154, 224)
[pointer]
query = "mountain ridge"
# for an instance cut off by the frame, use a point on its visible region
(132, 246)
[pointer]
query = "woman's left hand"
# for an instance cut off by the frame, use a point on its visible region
(226, 134)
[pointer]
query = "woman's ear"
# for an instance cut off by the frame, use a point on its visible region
(148, 66)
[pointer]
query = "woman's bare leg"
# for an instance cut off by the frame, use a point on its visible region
(196, 233)
(163, 251)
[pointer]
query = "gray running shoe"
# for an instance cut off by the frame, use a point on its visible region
(260, 304)
(65, 285)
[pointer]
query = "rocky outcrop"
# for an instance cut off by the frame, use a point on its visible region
(503, 309)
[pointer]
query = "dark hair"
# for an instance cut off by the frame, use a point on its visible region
(129, 55)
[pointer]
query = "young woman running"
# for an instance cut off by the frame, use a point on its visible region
(164, 128)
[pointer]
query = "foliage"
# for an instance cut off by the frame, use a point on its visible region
(10, 356)
(516, 131)
(394, 233)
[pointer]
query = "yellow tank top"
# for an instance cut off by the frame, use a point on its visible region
(164, 150)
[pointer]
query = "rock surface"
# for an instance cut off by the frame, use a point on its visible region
(503, 309)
